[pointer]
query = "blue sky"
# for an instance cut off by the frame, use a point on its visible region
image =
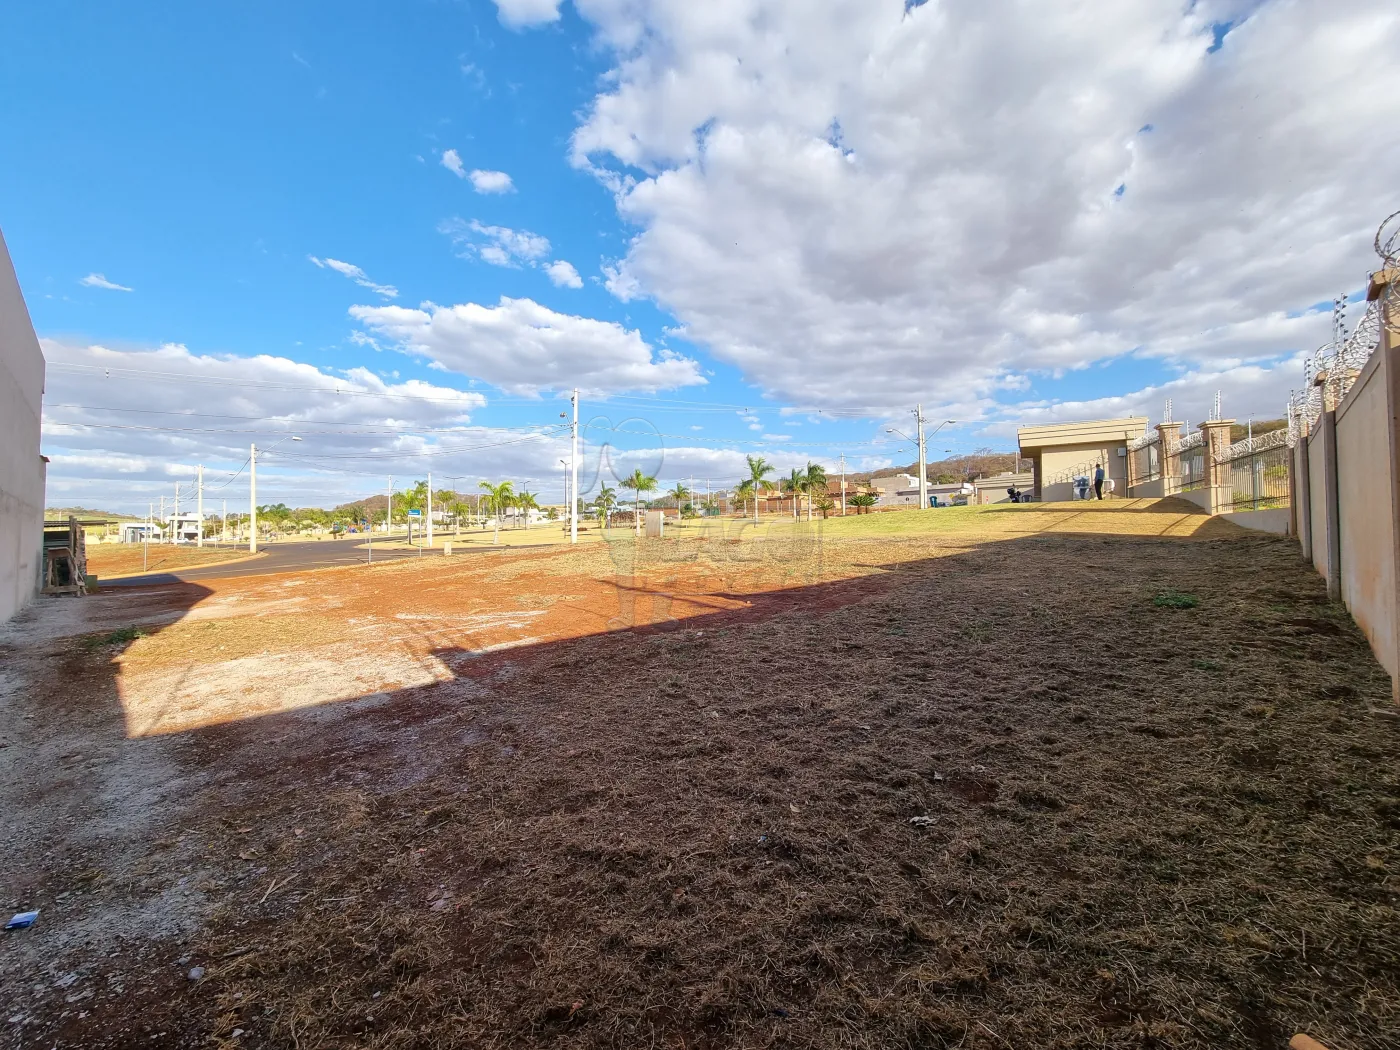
(204, 156)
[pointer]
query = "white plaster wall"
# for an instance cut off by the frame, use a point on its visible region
(1275, 521)
(21, 469)
(1364, 512)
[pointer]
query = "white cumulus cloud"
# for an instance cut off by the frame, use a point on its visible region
(166, 409)
(491, 181)
(519, 14)
(350, 270)
(497, 245)
(563, 274)
(453, 163)
(863, 203)
(97, 280)
(525, 348)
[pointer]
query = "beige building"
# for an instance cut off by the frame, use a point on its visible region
(993, 487)
(21, 466)
(1062, 452)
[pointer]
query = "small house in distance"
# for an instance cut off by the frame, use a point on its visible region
(1065, 451)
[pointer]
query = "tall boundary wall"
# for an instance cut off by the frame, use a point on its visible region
(1347, 482)
(21, 465)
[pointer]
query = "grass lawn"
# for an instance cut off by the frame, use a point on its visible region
(1068, 776)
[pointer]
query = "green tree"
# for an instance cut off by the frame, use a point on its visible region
(498, 498)
(638, 483)
(680, 494)
(604, 502)
(862, 501)
(526, 502)
(794, 484)
(759, 468)
(744, 491)
(813, 481)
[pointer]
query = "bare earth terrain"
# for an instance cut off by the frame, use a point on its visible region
(1112, 776)
(121, 559)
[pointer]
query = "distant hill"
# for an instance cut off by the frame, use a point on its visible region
(1240, 431)
(52, 513)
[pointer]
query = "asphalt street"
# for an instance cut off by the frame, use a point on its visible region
(291, 556)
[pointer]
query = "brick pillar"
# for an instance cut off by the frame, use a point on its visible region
(1215, 439)
(1169, 456)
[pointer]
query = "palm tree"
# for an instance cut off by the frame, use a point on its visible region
(680, 493)
(814, 479)
(498, 498)
(759, 468)
(605, 501)
(638, 483)
(526, 502)
(793, 484)
(743, 491)
(862, 501)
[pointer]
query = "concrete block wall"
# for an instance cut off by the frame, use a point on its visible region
(1347, 513)
(21, 466)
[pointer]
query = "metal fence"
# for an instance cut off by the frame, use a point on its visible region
(1192, 456)
(1259, 472)
(1147, 462)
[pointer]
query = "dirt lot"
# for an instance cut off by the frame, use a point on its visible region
(106, 560)
(1018, 777)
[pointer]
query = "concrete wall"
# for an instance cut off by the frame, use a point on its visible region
(21, 468)
(1275, 521)
(1364, 515)
(1058, 466)
(1200, 497)
(1348, 502)
(1317, 502)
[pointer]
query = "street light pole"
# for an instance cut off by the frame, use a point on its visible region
(430, 510)
(573, 474)
(199, 512)
(253, 499)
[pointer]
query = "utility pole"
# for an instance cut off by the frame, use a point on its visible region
(573, 474)
(843, 484)
(223, 524)
(253, 499)
(923, 460)
(161, 519)
(389, 509)
(199, 505)
(175, 518)
(430, 509)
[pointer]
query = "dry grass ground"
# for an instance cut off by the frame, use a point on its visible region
(107, 560)
(667, 795)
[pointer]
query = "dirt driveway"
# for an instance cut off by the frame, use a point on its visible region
(1028, 778)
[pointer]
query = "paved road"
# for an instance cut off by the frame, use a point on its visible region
(279, 557)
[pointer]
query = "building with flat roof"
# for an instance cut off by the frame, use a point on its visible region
(21, 465)
(1063, 452)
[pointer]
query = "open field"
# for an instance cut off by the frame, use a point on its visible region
(664, 794)
(124, 559)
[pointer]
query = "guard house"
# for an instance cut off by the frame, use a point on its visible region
(1062, 452)
(139, 532)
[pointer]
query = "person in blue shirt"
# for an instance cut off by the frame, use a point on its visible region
(1098, 480)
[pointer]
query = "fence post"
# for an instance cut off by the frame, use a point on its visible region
(1302, 497)
(1215, 439)
(1332, 525)
(1169, 456)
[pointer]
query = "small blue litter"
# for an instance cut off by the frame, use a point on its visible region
(22, 920)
